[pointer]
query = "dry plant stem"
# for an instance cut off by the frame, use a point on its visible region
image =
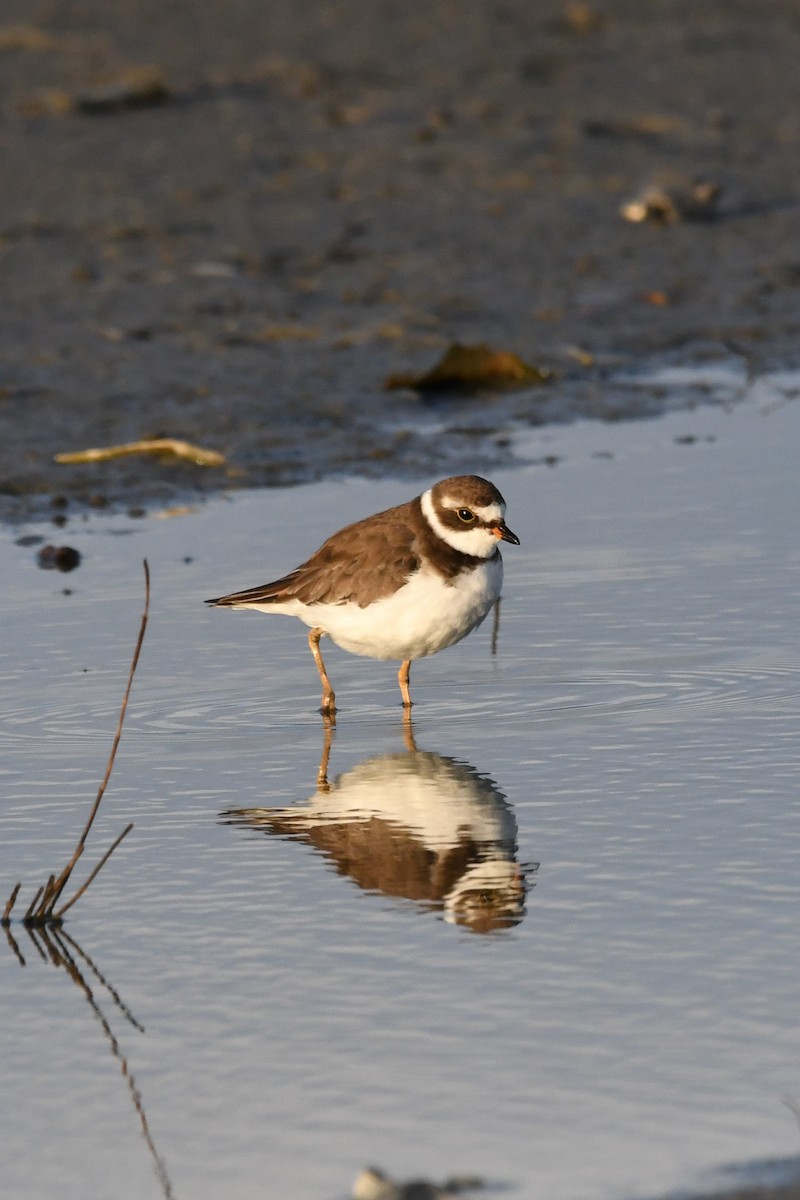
(41, 907)
(57, 916)
(65, 874)
(44, 903)
(11, 902)
(33, 903)
(175, 446)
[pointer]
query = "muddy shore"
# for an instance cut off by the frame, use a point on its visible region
(230, 223)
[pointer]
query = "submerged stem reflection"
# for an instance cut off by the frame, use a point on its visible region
(54, 945)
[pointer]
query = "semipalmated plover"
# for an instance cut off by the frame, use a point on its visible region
(401, 584)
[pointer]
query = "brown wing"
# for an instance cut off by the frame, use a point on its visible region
(361, 563)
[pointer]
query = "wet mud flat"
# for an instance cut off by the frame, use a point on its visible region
(232, 224)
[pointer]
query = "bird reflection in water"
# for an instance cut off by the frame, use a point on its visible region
(413, 825)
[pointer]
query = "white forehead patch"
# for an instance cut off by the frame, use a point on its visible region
(490, 514)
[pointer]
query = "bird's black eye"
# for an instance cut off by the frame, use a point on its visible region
(466, 515)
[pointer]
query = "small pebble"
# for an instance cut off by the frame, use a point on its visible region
(58, 558)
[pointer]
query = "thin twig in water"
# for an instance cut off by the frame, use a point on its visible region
(57, 916)
(33, 903)
(65, 874)
(11, 902)
(42, 908)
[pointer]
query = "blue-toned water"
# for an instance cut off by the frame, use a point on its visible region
(553, 941)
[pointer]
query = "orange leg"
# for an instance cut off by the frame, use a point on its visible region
(327, 737)
(328, 698)
(408, 731)
(402, 679)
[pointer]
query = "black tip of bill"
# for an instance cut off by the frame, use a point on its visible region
(505, 534)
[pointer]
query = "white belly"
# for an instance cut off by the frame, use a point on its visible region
(425, 615)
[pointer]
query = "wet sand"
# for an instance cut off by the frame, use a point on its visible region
(298, 201)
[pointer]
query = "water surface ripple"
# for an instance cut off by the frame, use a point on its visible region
(548, 935)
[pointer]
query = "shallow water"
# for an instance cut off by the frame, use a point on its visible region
(321, 988)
